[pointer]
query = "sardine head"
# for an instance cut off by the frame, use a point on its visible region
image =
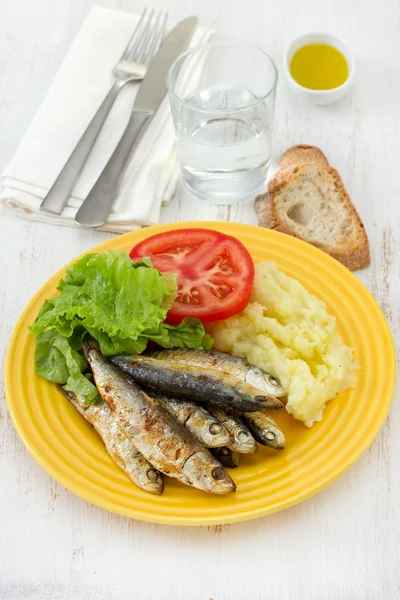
(244, 441)
(206, 473)
(273, 437)
(265, 382)
(152, 481)
(213, 433)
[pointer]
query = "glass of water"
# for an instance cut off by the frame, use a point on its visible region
(222, 98)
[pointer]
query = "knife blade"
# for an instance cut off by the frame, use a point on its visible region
(97, 205)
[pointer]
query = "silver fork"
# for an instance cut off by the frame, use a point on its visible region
(131, 66)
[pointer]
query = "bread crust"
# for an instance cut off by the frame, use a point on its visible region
(296, 157)
(355, 257)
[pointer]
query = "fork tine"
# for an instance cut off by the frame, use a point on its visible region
(134, 37)
(157, 38)
(153, 34)
(142, 41)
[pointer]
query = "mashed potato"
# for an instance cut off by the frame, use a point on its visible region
(288, 332)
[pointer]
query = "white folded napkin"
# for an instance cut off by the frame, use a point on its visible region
(77, 91)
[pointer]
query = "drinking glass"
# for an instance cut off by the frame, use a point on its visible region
(222, 98)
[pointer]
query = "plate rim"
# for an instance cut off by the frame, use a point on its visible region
(209, 520)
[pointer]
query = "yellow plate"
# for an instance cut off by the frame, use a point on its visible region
(71, 452)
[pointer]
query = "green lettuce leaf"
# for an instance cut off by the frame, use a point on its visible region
(187, 335)
(82, 385)
(49, 361)
(121, 304)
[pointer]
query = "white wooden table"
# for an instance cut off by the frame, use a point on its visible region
(342, 544)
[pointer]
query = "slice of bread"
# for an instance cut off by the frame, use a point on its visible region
(307, 199)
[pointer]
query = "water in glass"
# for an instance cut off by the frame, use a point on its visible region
(224, 155)
(223, 127)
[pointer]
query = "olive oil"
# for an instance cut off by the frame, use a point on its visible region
(319, 67)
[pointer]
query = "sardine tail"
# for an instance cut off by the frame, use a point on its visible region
(88, 345)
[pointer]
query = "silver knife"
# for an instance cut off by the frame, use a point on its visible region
(97, 205)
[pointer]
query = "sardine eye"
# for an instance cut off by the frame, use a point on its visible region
(273, 381)
(243, 436)
(152, 475)
(215, 428)
(270, 436)
(218, 473)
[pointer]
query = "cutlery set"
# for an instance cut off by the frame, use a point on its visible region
(146, 59)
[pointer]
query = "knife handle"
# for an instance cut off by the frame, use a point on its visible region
(61, 189)
(97, 204)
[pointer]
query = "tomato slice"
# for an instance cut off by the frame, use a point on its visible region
(215, 272)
